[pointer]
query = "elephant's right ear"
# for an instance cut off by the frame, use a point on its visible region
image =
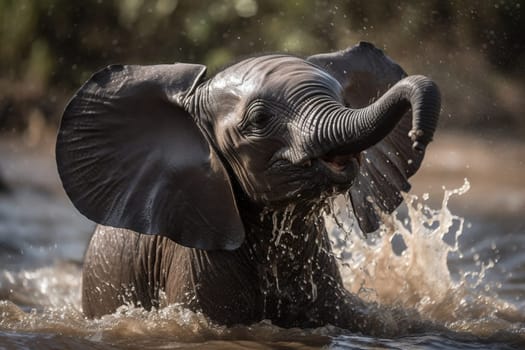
(131, 156)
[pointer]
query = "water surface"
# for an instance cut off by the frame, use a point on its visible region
(456, 263)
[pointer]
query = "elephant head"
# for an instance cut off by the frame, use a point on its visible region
(163, 150)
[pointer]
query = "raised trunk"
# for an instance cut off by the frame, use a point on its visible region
(347, 130)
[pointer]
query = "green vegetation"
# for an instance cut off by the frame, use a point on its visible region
(475, 50)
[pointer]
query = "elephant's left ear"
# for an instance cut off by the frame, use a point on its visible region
(131, 155)
(365, 74)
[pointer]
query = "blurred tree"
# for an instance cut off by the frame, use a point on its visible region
(49, 47)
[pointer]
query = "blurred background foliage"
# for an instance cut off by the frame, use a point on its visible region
(474, 49)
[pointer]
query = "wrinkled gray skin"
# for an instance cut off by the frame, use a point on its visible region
(204, 169)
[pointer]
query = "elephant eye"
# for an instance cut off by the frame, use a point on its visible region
(260, 119)
(257, 119)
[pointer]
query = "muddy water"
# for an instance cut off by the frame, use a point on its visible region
(453, 257)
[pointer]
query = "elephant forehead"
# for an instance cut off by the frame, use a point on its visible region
(276, 76)
(289, 75)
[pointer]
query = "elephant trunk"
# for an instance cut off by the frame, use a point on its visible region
(348, 130)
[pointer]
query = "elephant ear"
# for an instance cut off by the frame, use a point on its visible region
(365, 74)
(131, 156)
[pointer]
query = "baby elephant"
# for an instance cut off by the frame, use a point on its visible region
(208, 191)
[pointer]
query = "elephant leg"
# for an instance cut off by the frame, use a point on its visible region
(116, 271)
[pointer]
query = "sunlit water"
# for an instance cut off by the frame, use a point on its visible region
(425, 263)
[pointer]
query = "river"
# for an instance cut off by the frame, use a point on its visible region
(452, 256)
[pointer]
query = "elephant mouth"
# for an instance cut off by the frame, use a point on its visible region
(339, 163)
(339, 168)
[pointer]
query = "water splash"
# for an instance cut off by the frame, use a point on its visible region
(52, 286)
(405, 265)
(172, 326)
